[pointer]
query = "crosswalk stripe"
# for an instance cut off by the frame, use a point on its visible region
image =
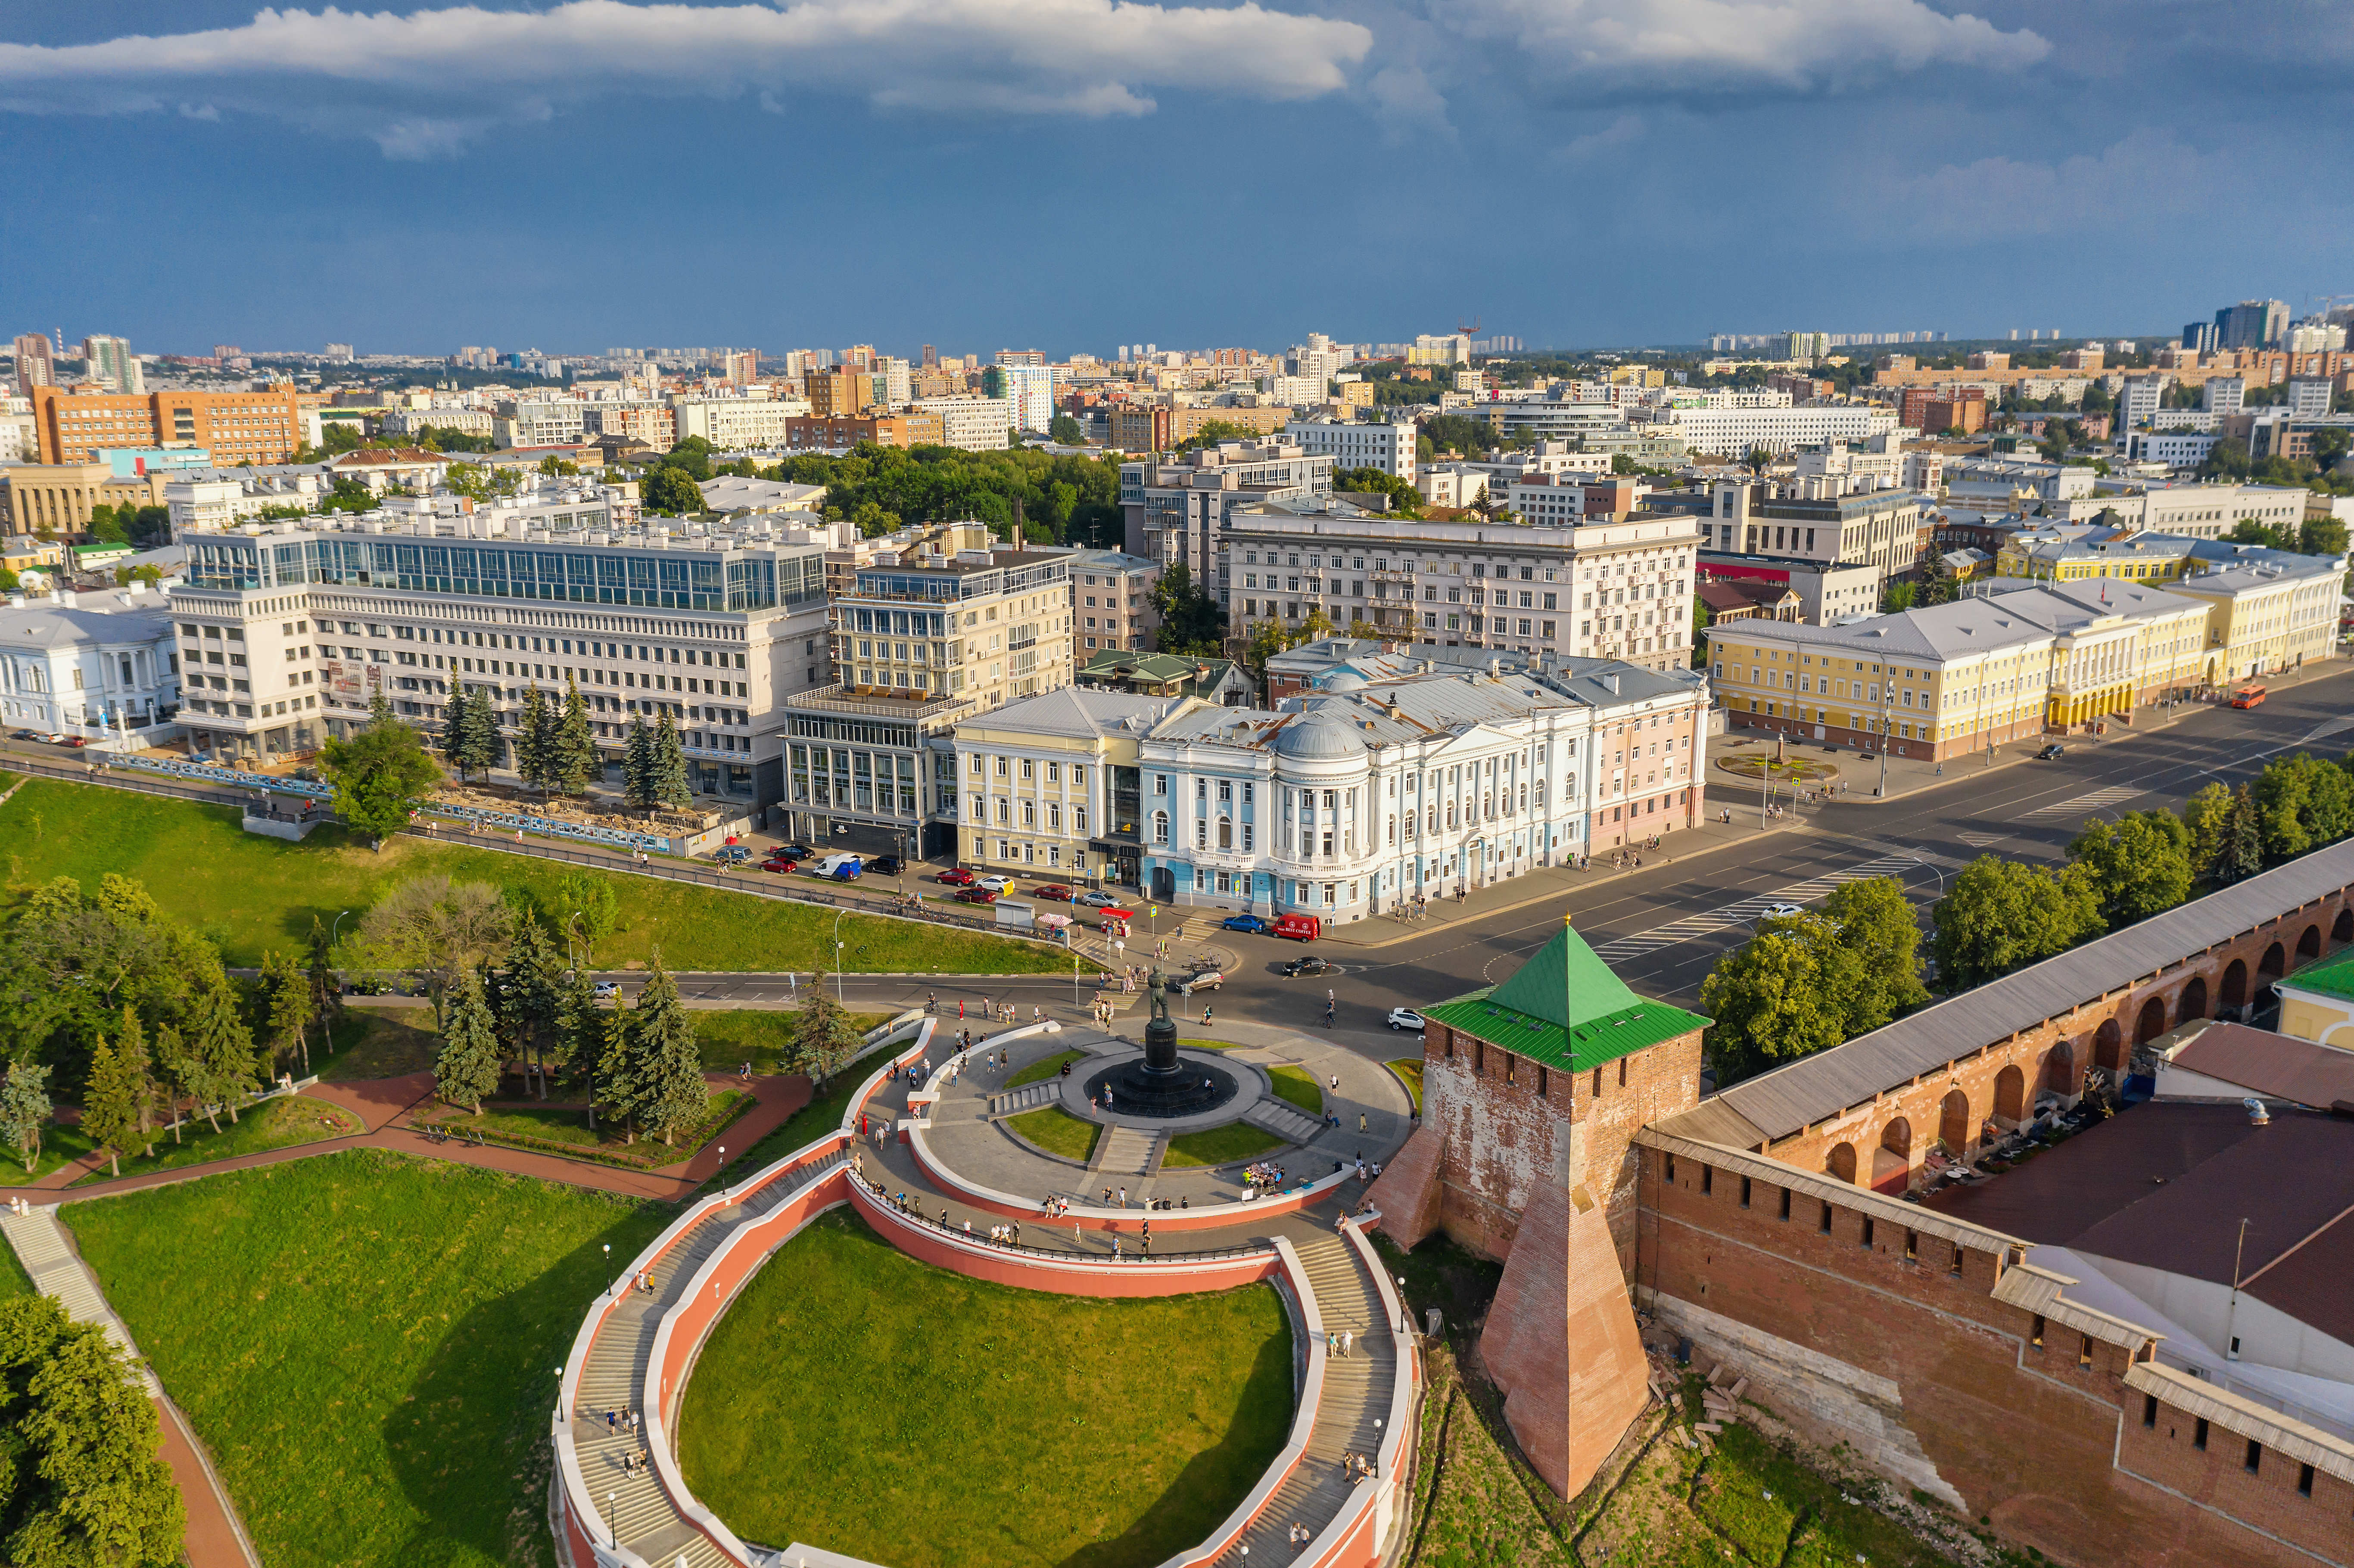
(2087, 802)
(1689, 927)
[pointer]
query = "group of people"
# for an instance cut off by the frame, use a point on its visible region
(1263, 1177)
(1337, 1343)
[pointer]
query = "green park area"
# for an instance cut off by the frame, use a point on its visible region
(1298, 1086)
(1409, 1071)
(857, 1400)
(1038, 1072)
(367, 1343)
(1057, 1132)
(249, 894)
(1219, 1145)
(275, 1124)
(823, 1115)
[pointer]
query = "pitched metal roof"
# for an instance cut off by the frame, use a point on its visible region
(1566, 1009)
(1791, 1098)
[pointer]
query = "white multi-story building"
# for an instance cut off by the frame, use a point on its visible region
(974, 424)
(2140, 400)
(1389, 448)
(737, 424)
(541, 422)
(93, 664)
(2222, 395)
(1176, 510)
(2175, 448)
(220, 502)
(1553, 419)
(1370, 793)
(1292, 391)
(1620, 589)
(1732, 432)
(290, 629)
(1031, 389)
(2310, 397)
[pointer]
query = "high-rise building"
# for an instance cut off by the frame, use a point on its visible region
(74, 425)
(1029, 389)
(741, 365)
(839, 393)
(931, 357)
(2223, 395)
(340, 353)
(34, 365)
(2198, 337)
(2250, 323)
(110, 364)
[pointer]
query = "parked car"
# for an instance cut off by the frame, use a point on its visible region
(886, 865)
(1299, 967)
(797, 852)
(996, 883)
(1206, 980)
(1405, 1018)
(956, 877)
(1249, 924)
(1094, 900)
(609, 990)
(24, 735)
(844, 867)
(1299, 928)
(77, 742)
(778, 861)
(976, 895)
(1053, 890)
(2051, 753)
(1781, 911)
(731, 854)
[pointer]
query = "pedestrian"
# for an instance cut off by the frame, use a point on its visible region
(1347, 1339)
(1123, 1197)
(1336, 1083)
(1205, 1016)
(1361, 1121)
(612, 1419)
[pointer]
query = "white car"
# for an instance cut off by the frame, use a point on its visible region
(995, 883)
(609, 990)
(1094, 901)
(1781, 911)
(1405, 1018)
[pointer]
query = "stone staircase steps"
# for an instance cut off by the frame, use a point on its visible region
(1029, 1096)
(1125, 1151)
(1286, 1120)
(51, 1263)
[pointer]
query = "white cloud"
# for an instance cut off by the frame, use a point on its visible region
(424, 84)
(1407, 105)
(1623, 132)
(2135, 183)
(1589, 48)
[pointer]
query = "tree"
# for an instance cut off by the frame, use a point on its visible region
(2207, 815)
(2242, 852)
(823, 1041)
(2305, 803)
(638, 766)
(612, 1074)
(2140, 867)
(1191, 620)
(1897, 599)
(670, 493)
(131, 1051)
(1774, 1000)
(1404, 499)
(2001, 915)
(2321, 537)
(669, 781)
(530, 995)
(469, 1065)
(376, 773)
(2249, 531)
(674, 1098)
(591, 908)
(218, 1050)
(327, 983)
(1875, 922)
(80, 1481)
(571, 748)
(533, 738)
(433, 923)
(462, 738)
(181, 1073)
(25, 1109)
(109, 1108)
(287, 992)
(1065, 432)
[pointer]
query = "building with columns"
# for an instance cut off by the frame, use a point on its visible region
(90, 664)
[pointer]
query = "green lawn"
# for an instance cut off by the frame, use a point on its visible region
(1057, 1132)
(1040, 1070)
(1410, 1069)
(530, 1123)
(1210, 1045)
(367, 1343)
(277, 1125)
(859, 1401)
(379, 1043)
(1219, 1145)
(14, 1281)
(726, 1036)
(250, 893)
(1299, 1085)
(823, 1115)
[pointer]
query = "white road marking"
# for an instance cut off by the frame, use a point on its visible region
(1690, 928)
(2088, 802)
(1981, 841)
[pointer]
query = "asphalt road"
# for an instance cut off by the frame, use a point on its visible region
(1662, 930)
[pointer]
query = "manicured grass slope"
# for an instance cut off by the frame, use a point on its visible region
(1218, 1145)
(250, 893)
(367, 1343)
(1057, 1132)
(859, 1401)
(1300, 1086)
(276, 1125)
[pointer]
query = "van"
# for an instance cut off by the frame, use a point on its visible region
(1299, 928)
(841, 867)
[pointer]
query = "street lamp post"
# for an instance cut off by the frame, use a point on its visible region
(610, 1278)
(837, 955)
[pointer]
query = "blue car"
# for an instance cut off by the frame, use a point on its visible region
(1251, 923)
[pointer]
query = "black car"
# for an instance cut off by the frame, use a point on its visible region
(886, 865)
(1299, 967)
(2051, 753)
(24, 735)
(792, 852)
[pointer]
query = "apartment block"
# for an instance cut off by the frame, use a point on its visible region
(541, 422)
(972, 424)
(1390, 448)
(737, 424)
(74, 424)
(1176, 510)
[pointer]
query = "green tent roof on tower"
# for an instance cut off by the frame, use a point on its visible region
(1565, 1009)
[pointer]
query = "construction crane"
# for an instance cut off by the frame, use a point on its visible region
(1471, 331)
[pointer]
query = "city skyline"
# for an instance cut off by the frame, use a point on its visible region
(410, 183)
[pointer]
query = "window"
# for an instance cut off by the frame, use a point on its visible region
(2253, 1463)
(1868, 1229)
(1744, 1180)
(2035, 1336)
(2149, 1410)
(1707, 1181)
(1786, 1206)
(1161, 827)
(1826, 1226)
(2305, 1480)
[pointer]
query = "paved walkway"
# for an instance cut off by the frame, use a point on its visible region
(214, 1537)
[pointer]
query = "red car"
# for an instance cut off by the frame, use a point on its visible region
(975, 896)
(1051, 890)
(956, 877)
(779, 863)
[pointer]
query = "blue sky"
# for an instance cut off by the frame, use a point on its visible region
(1072, 174)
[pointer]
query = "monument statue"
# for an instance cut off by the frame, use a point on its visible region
(1160, 1033)
(1159, 1085)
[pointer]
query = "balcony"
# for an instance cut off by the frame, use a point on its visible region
(878, 703)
